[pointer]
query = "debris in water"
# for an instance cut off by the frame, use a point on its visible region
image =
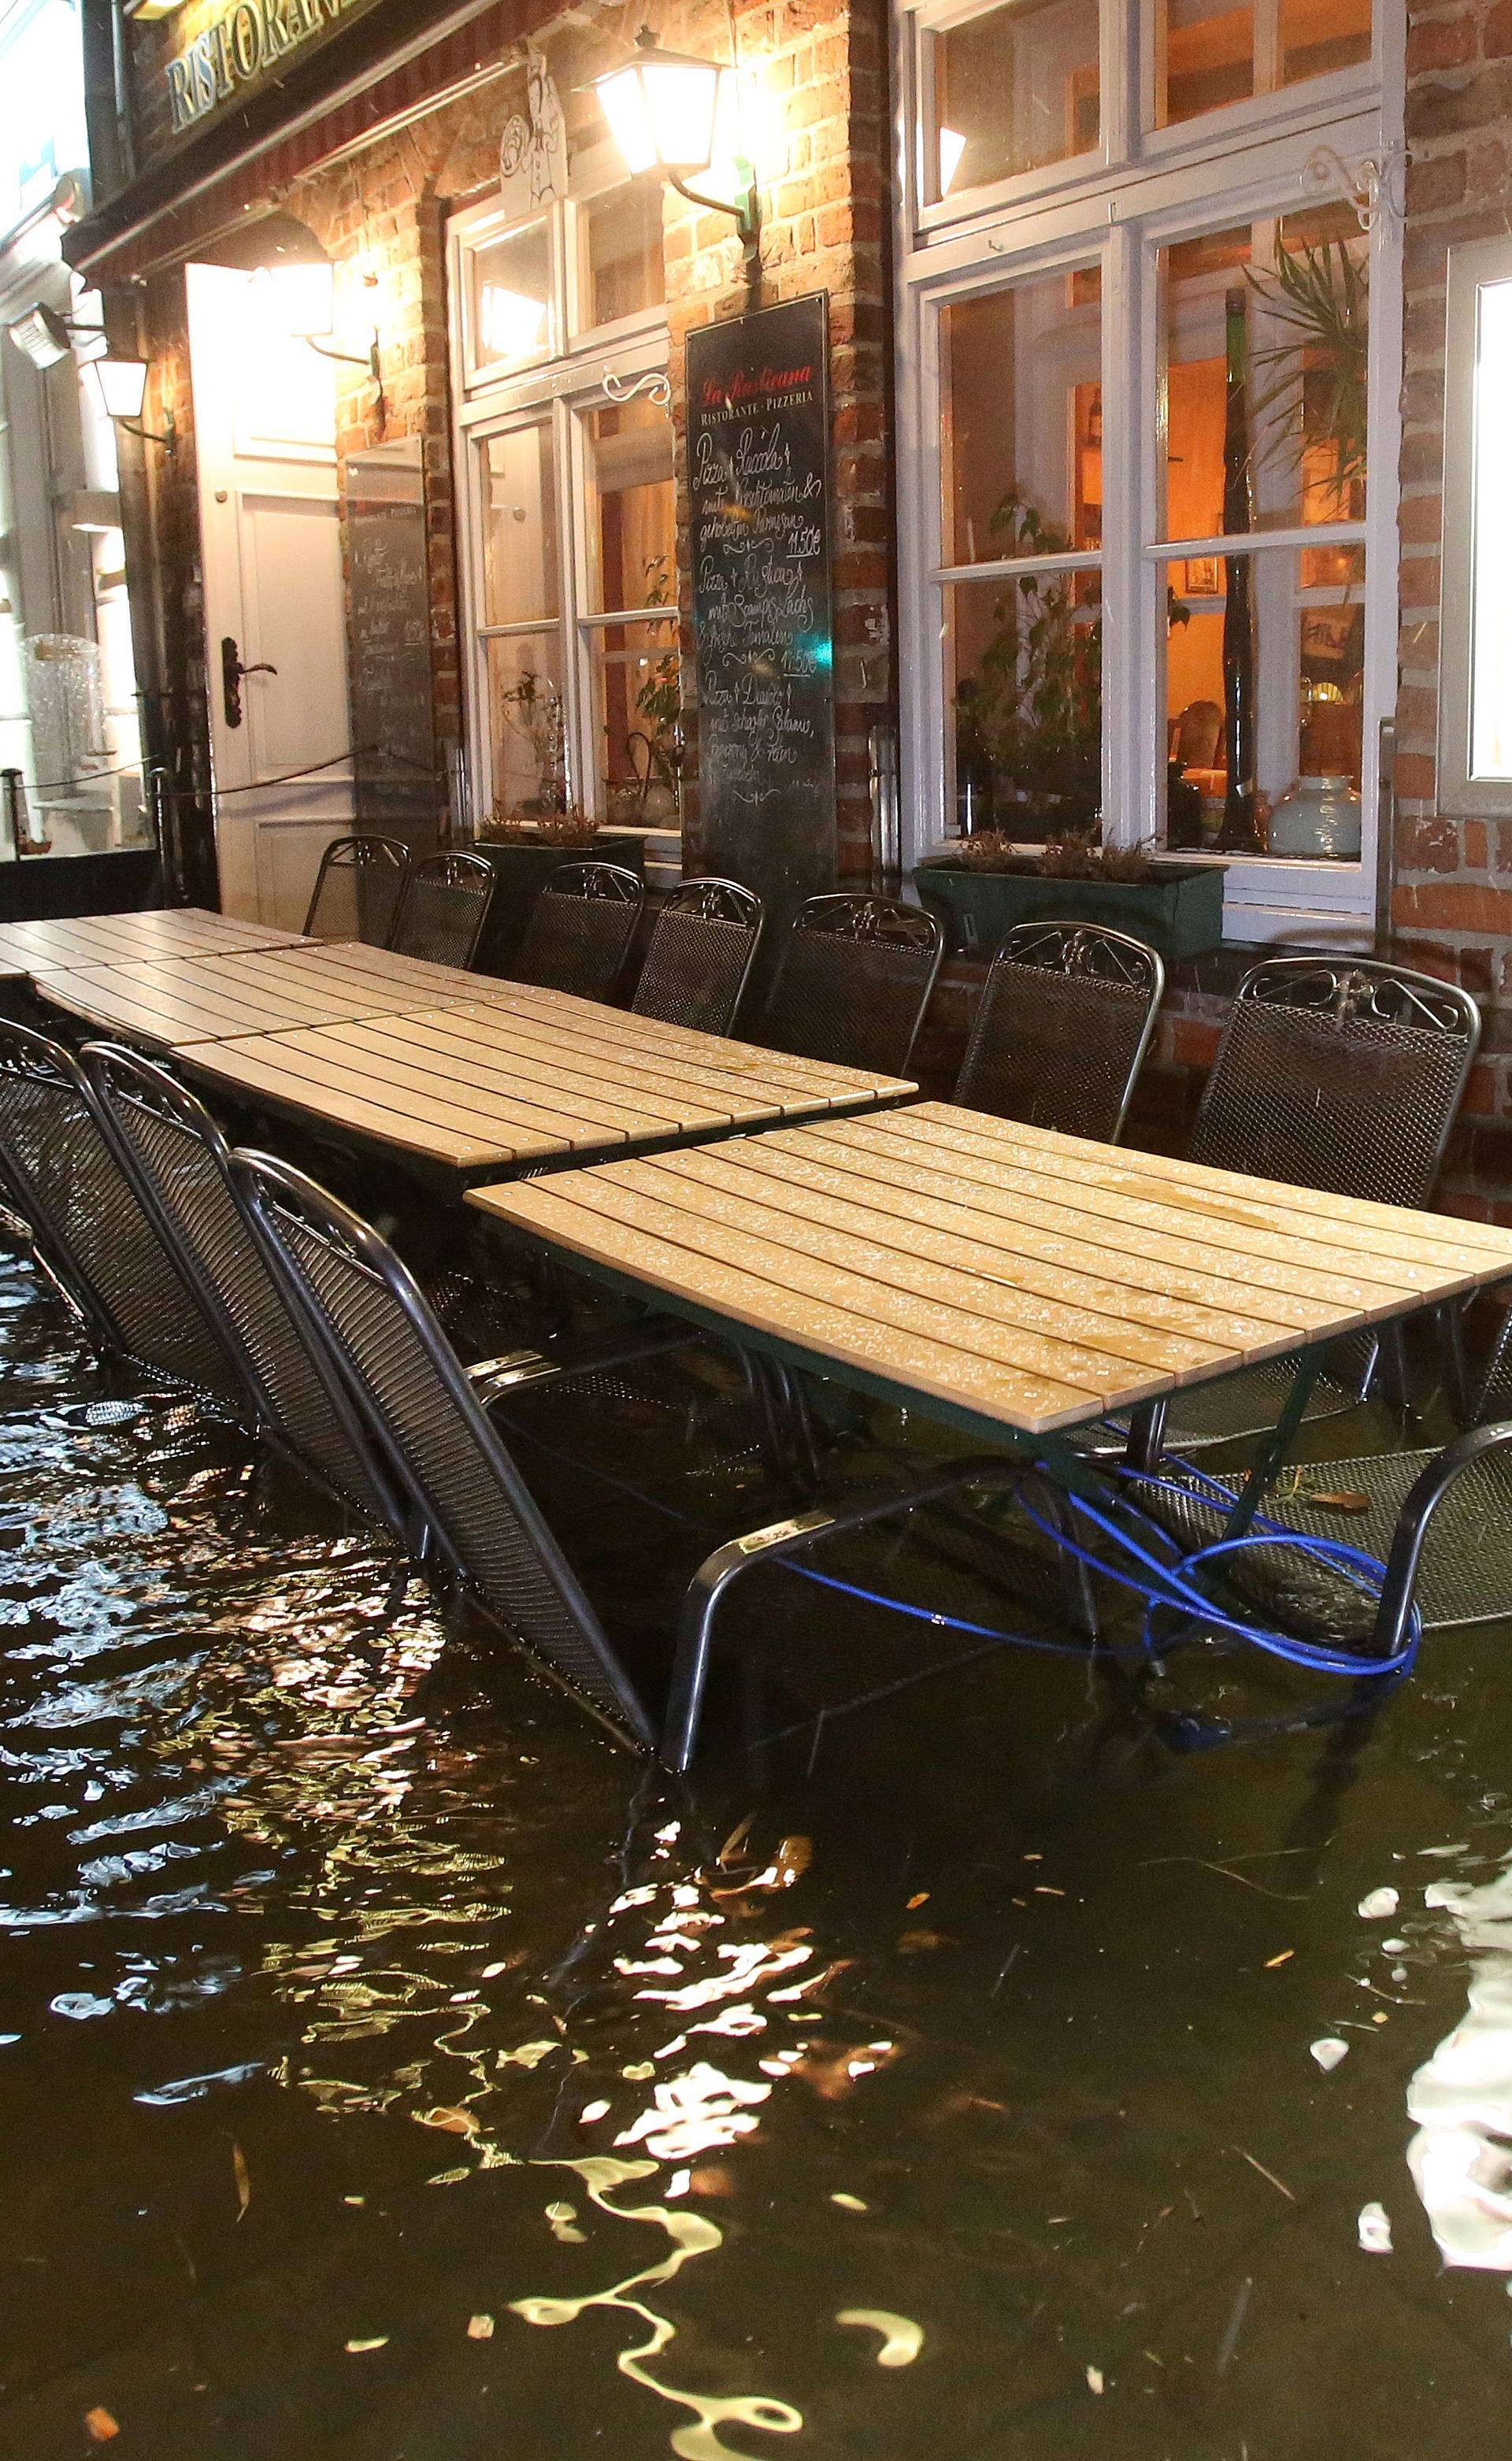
(1340, 1499)
(99, 2426)
(457, 2123)
(1265, 2174)
(901, 2339)
(849, 2204)
(911, 1943)
(1328, 2050)
(1378, 1904)
(1376, 2230)
(1095, 2379)
(921, 1900)
(1273, 1962)
(375, 2341)
(479, 2328)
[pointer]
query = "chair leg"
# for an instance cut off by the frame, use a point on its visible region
(1394, 1613)
(719, 1571)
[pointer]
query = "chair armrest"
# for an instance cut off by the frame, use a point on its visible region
(1423, 1499)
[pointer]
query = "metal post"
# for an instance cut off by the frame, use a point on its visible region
(15, 809)
(1385, 833)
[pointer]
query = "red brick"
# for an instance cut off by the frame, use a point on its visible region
(1460, 905)
(1443, 43)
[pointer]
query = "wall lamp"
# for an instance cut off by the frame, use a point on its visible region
(122, 385)
(670, 112)
(306, 293)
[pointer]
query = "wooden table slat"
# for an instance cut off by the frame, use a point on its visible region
(506, 1069)
(74, 941)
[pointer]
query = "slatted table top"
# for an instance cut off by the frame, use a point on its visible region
(524, 1077)
(1020, 1278)
(176, 1002)
(110, 939)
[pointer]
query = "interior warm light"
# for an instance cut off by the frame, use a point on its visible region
(662, 108)
(952, 145)
(122, 385)
(1491, 617)
(513, 325)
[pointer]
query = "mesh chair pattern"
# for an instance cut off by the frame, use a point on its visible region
(381, 1345)
(183, 1164)
(1062, 1027)
(703, 945)
(579, 929)
(63, 1174)
(443, 908)
(855, 981)
(1339, 1073)
(357, 889)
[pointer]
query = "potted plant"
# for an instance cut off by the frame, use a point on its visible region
(984, 884)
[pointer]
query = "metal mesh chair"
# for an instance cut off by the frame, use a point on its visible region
(90, 1230)
(183, 1166)
(855, 981)
(382, 1347)
(703, 947)
(1062, 1027)
(358, 889)
(1339, 1073)
(443, 908)
(579, 929)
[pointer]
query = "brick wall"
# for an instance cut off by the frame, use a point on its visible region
(1452, 910)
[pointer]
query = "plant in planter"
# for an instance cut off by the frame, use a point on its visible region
(531, 706)
(987, 884)
(569, 830)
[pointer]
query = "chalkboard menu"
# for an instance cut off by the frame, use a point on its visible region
(759, 475)
(388, 634)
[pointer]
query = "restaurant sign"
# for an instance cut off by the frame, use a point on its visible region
(239, 47)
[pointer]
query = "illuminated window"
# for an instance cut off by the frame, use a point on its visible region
(1475, 749)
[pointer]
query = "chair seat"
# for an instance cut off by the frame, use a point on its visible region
(1466, 1572)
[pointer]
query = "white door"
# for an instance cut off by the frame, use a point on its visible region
(264, 415)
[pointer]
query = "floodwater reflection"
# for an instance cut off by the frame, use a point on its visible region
(397, 2071)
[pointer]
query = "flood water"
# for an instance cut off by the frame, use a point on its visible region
(394, 2069)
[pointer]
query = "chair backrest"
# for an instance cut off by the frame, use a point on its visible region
(854, 982)
(183, 1166)
(381, 1342)
(358, 889)
(1339, 1073)
(66, 1177)
(703, 944)
(1062, 1027)
(580, 928)
(443, 908)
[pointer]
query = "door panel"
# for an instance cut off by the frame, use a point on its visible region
(265, 409)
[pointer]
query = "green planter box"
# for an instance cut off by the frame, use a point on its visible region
(1178, 913)
(520, 872)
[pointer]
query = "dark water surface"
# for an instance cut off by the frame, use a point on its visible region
(395, 2070)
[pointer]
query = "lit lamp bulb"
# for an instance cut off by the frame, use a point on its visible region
(122, 385)
(670, 112)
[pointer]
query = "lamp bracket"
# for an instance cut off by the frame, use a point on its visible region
(1374, 185)
(168, 438)
(655, 385)
(743, 207)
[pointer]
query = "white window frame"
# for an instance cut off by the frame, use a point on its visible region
(564, 388)
(1471, 268)
(1243, 162)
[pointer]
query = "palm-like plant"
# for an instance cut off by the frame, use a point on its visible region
(1320, 296)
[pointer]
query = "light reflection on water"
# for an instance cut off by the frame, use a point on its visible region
(363, 2020)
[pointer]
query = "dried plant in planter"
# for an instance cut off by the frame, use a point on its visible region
(1079, 855)
(573, 830)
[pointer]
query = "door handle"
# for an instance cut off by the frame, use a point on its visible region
(231, 673)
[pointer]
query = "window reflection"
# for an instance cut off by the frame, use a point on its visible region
(1015, 89)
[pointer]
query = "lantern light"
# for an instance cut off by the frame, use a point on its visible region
(670, 112)
(122, 385)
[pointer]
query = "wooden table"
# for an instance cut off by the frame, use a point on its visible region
(176, 1002)
(527, 1079)
(27, 949)
(1011, 1278)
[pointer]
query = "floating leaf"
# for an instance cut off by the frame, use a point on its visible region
(479, 2328)
(99, 2426)
(244, 2185)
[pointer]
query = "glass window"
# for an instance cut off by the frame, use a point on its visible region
(1491, 628)
(633, 501)
(637, 706)
(1265, 680)
(1022, 419)
(624, 270)
(1015, 90)
(527, 722)
(1475, 708)
(1024, 674)
(511, 298)
(1210, 52)
(1264, 332)
(520, 526)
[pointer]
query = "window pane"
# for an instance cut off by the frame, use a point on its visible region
(622, 264)
(1015, 90)
(633, 512)
(1215, 52)
(1024, 679)
(637, 705)
(512, 298)
(1263, 337)
(1491, 614)
(1022, 410)
(1265, 666)
(526, 721)
(520, 526)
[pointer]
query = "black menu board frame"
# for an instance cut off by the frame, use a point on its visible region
(388, 634)
(763, 598)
